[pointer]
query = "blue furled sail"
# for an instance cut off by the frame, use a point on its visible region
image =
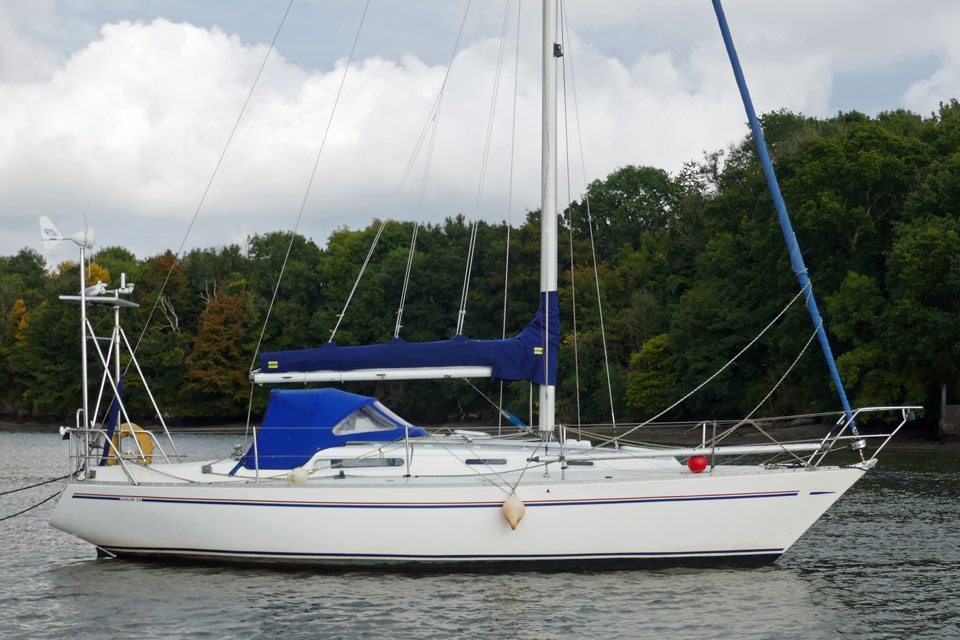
(300, 422)
(518, 358)
(793, 247)
(113, 422)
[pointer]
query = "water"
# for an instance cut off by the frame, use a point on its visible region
(883, 563)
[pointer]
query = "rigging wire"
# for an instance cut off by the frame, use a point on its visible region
(491, 114)
(313, 174)
(503, 413)
(429, 128)
(748, 419)
(434, 113)
(206, 191)
(493, 105)
(431, 125)
(593, 249)
(406, 280)
(303, 204)
(506, 259)
(434, 119)
(461, 314)
(573, 285)
(363, 268)
(793, 364)
(717, 372)
(485, 476)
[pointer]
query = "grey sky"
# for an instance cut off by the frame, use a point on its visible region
(124, 107)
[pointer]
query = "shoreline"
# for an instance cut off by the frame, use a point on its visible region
(906, 440)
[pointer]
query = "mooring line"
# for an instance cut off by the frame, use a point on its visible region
(919, 485)
(39, 484)
(20, 513)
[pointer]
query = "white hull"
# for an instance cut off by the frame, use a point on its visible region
(733, 514)
(358, 485)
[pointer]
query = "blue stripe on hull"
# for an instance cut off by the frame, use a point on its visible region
(456, 505)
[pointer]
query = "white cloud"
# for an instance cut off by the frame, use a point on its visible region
(134, 121)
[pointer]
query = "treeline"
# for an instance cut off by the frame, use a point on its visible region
(690, 268)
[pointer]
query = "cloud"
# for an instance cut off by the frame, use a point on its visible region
(132, 123)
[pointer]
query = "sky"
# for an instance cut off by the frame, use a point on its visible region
(122, 109)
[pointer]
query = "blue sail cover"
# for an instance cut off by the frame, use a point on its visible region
(300, 422)
(516, 358)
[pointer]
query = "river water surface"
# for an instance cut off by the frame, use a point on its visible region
(883, 563)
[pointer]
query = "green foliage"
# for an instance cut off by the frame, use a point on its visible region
(629, 201)
(869, 368)
(651, 378)
(44, 360)
(117, 260)
(691, 267)
(924, 283)
(26, 273)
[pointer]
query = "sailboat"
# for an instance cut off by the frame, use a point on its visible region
(337, 479)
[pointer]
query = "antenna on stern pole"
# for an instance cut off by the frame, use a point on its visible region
(84, 239)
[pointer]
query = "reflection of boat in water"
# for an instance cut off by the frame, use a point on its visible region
(338, 479)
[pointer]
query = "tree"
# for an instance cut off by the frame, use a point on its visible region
(628, 202)
(44, 359)
(846, 194)
(94, 273)
(163, 343)
(697, 257)
(861, 314)
(28, 270)
(924, 283)
(117, 260)
(651, 378)
(216, 375)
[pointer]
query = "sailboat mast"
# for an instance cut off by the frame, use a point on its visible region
(548, 188)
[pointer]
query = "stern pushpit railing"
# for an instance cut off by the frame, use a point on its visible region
(87, 446)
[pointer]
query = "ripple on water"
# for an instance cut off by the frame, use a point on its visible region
(881, 564)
